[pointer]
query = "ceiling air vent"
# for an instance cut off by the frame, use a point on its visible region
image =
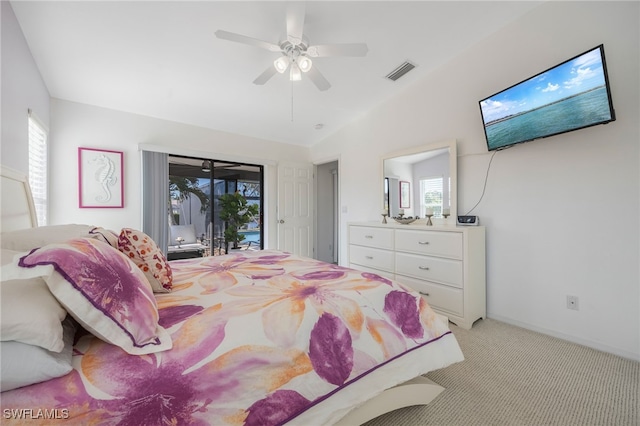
(400, 71)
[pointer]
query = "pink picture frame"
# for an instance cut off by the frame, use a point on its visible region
(100, 178)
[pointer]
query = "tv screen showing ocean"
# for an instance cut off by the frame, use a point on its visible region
(571, 113)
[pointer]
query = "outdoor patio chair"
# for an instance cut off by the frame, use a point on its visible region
(188, 247)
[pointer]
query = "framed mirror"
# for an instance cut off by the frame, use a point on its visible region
(427, 175)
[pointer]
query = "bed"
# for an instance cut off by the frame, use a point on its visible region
(256, 338)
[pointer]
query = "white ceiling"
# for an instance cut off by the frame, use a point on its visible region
(162, 59)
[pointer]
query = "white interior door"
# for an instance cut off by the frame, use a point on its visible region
(295, 208)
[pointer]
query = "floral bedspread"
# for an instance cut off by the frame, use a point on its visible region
(258, 338)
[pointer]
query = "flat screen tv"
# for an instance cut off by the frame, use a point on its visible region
(569, 96)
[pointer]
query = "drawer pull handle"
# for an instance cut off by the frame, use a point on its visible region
(424, 268)
(368, 236)
(425, 294)
(424, 243)
(369, 257)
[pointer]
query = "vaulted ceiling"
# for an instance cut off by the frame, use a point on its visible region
(162, 59)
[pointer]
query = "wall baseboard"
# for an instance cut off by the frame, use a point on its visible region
(572, 339)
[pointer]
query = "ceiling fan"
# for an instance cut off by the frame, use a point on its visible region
(296, 53)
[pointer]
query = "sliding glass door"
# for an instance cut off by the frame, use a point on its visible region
(197, 194)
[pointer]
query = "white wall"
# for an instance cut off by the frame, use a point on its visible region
(562, 214)
(22, 89)
(76, 125)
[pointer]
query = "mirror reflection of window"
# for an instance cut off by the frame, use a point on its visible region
(431, 196)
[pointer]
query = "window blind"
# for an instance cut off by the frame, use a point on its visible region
(431, 195)
(38, 155)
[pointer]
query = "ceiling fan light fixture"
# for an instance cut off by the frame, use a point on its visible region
(295, 75)
(305, 64)
(206, 166)
(281, 64)
(296, 50)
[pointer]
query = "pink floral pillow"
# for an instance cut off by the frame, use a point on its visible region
(102, 290)
(144, 252)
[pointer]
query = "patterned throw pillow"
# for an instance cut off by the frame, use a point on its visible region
(102, 290)
(144, 252)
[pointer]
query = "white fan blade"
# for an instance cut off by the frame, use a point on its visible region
(295, 21)
(318, 79)
(266, 75)
(346, 49)
(239, 38)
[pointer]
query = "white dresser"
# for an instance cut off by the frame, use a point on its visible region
(446, 264)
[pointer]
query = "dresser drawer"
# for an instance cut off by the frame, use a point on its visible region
(371, 237)
(438, 296)
(430, 268)
(371, 257)
(433, 243)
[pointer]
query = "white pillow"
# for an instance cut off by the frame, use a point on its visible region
(104, 235)
(28, 311)
(28, 239)
(24, 365)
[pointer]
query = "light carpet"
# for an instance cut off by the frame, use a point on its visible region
(512, 376)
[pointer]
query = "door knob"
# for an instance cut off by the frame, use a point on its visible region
(281, 221)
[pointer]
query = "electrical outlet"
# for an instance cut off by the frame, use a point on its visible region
(572, 303)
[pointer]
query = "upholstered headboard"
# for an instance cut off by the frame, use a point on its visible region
(17, 210)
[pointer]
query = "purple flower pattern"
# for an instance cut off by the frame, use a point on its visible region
(277, 335)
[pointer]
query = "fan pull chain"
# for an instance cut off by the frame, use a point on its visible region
(292, 101)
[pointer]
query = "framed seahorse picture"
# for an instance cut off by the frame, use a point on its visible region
(100, 178)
